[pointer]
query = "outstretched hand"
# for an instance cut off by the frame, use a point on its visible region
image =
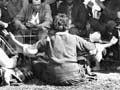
(114, 40)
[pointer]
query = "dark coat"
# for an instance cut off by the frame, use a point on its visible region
(79, 13)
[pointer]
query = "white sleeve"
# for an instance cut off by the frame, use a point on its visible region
(5, 61)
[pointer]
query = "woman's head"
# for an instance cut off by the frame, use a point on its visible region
(61, 22)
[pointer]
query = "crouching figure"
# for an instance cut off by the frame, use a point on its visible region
(12, 69)
(61, 66)
(7, 66)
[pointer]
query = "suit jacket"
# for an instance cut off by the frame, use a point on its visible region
(79, 13)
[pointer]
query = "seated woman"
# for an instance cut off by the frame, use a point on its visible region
(61, 66)
(7, 63)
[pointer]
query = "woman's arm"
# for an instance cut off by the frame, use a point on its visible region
(26, 48)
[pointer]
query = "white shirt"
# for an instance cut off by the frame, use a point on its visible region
(35, 19)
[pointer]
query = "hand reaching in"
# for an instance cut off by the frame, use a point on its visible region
(5, 32)
(113, 40)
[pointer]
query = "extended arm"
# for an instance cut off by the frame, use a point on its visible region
(26, 48)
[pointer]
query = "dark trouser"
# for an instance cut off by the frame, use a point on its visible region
(58, 74)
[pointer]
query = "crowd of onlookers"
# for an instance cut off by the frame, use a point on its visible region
(97, 21)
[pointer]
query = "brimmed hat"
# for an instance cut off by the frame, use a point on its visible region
(36, 1)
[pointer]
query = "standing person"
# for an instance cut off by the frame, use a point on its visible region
(61, 67)
(78, 16)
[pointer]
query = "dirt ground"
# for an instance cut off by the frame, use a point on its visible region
(105, 81)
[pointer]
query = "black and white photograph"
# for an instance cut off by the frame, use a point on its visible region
(59, 44)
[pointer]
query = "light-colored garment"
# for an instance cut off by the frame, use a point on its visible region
(61, 49)
(95, 6)
(35, 19)
(5, 61)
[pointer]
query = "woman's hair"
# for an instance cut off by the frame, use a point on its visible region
(61, 22)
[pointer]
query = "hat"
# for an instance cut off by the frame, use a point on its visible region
(36, 1)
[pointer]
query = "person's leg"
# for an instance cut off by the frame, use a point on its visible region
(86, 62)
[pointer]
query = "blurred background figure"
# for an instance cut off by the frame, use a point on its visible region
(77, 14)
(35, 20)
(54, 4)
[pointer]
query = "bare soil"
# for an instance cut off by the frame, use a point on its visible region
(105, 81)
